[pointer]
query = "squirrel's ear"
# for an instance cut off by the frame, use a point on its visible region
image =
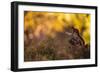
(75, 30)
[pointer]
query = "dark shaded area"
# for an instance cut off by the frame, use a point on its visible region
(66, 45)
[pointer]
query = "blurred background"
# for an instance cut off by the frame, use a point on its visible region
(48, 21)
(56, 36)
